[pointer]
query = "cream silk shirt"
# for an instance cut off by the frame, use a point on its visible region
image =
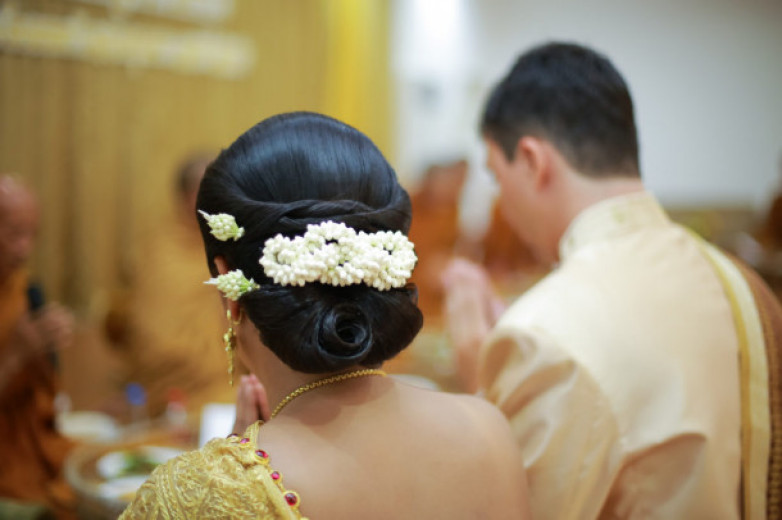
(619, 373)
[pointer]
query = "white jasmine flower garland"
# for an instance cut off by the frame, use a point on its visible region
(233, 284)
(223, 226)
(335, 254)
(330, 253)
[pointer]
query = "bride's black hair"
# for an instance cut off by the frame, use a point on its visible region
(284, 173)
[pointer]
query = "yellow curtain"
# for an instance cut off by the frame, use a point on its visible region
(100, 143)
(358, 75)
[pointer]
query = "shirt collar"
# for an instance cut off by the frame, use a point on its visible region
(611, 218)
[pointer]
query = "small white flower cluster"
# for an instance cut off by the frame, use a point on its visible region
(335, 254)
(233, 284)
(223, 226)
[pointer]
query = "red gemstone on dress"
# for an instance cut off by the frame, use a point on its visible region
(244, 441)
(291, 498)
(276, 475)
(262, 454)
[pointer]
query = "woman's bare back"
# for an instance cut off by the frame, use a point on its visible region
(383, 449)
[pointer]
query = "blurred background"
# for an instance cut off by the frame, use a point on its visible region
(104, 102)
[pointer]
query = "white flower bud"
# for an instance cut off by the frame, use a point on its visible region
(223, 226)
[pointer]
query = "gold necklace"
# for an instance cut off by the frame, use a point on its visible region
(322, 382)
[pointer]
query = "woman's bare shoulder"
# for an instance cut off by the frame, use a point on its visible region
(476, 430)
(464, 407)
(463, 419)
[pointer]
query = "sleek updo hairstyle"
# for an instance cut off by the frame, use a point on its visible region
(284, 173)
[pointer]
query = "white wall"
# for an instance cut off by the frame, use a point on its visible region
(439, 95)
(706, 77)
(433, 60)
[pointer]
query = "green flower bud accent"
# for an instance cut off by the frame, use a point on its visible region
(233, 284)
(223, 226)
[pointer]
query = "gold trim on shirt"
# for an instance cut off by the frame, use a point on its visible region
(755, 411)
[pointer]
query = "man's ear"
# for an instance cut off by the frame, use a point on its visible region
(230, 305)
(535, 154)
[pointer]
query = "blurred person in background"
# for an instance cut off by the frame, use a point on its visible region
(770, 232)
(435, 231)
(762, 247)
(32, 452)
(642, 376)
(168, 325)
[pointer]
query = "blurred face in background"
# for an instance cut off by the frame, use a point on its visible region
(188, 180)
(519, 200)
(18, 226)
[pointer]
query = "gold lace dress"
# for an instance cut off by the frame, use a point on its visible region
(227, 478)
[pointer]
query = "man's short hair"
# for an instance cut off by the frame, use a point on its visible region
(573, 97)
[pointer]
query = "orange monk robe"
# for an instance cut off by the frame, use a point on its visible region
(31, 450)
(435, 232)
(176, 324)
(770, 233)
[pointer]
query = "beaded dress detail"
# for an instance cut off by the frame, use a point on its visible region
(227, 478)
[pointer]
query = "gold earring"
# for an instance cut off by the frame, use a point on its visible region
(229, 338)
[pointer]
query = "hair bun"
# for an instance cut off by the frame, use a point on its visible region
(344, 335)
(288, 172)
